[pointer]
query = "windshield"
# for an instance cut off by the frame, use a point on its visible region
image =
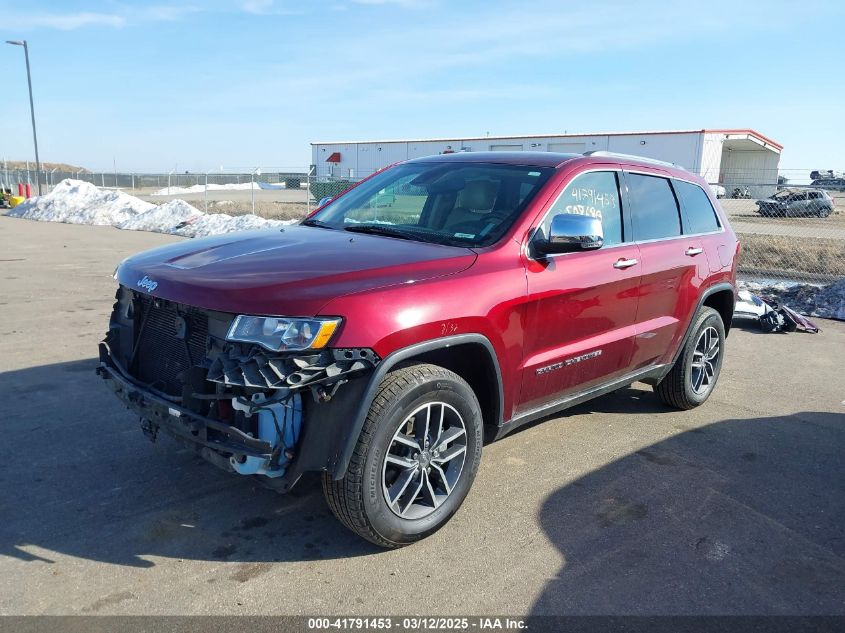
(462, 204)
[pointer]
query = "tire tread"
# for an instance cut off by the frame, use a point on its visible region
(672, 389)
(344, 496)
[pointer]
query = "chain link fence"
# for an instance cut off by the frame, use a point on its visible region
(791, 223)
(292, 177)
(791, 227)
(271, 192)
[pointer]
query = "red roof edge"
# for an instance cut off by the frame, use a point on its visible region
(765, 139)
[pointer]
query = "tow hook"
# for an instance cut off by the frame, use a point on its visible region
(149, 428)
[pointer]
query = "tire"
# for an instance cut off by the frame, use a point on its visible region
(688, 384)
(825, 212)
(384, 458)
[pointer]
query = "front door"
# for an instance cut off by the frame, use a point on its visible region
(580, 319)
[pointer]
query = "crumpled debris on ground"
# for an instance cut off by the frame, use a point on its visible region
(770, 315)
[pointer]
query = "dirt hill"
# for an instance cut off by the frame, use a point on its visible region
(21, 164)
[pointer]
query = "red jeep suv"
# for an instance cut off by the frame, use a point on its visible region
(440, 301)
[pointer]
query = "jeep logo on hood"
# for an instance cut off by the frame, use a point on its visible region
(147, 284)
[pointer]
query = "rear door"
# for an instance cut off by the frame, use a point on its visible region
(580, 319)
(673, 267)
(815, 203)
(699, 221)
(798, 206)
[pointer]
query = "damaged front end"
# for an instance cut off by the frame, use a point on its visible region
(240, 406)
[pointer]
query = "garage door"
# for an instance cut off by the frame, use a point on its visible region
(506, 148)
(568, 148)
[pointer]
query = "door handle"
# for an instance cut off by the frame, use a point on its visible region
(624, 263)
(693, 251)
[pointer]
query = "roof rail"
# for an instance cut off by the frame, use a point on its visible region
(642, 159)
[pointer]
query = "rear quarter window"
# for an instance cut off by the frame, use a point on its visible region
(697, 212)
(653, 207)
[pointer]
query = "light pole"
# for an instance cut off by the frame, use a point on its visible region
(31, 106)
(255, 172)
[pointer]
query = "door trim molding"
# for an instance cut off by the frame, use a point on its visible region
(571, 400)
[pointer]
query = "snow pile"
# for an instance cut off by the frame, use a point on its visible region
(161, 219)
(78, 202)
(171, 191)
(219, 223)
(826, 302)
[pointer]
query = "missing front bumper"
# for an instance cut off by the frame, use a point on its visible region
(326, 427)
(176, 420)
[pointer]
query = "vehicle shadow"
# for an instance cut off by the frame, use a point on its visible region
(743, 516)
(80, 479)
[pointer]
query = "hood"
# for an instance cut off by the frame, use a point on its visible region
(289, 272)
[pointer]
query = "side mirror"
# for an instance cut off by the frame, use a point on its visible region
(571, 233)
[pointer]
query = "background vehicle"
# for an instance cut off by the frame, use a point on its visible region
(496, 289)
(831, 184)
(789, 203)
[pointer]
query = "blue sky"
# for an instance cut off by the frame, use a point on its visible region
(237, 84)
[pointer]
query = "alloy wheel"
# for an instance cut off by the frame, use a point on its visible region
(424, 460)
(705, 359)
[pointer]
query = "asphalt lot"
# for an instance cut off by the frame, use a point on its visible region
(238, 195)
(621, 506)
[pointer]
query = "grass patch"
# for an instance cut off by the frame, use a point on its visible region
(793, 255)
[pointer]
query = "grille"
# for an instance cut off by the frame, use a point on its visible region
(163, 356)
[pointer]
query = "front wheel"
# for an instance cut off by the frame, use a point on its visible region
(693, 376)
(415, 459)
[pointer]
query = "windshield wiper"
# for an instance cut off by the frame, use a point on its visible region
(381, 229)
(317, 223)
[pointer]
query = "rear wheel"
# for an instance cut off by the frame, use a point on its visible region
(415, 459)
(692, 378)
(824, 212)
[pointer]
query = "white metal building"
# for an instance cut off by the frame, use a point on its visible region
(727, 157)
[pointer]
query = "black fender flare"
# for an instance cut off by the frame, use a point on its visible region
(388, 363)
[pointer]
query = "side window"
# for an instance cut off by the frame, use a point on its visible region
(697, 211)
(654, 209)
(595, 194)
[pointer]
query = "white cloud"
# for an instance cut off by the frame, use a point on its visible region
(83, 19)
(72, 21)
(408, 4)
(258, 7)
(267, 7)
(165, 13)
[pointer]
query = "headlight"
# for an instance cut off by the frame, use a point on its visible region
(281, 334)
